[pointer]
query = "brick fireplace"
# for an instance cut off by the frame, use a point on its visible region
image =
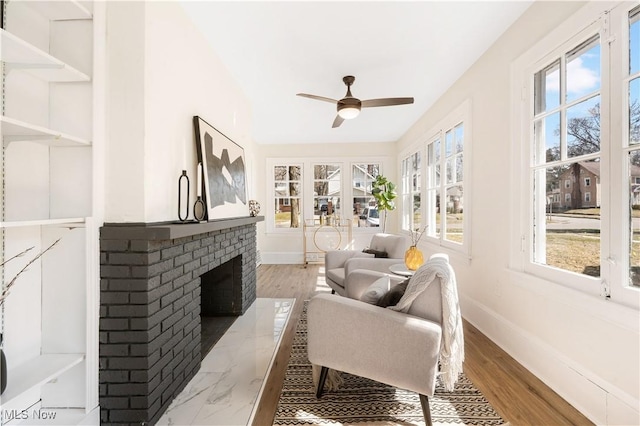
(150, 308)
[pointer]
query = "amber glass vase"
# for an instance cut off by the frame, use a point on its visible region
(413, 258)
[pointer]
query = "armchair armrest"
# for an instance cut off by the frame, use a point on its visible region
(376, 264)
(337, 258)
(359, 280)
(378, 343)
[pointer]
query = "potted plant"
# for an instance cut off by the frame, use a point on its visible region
(384, 191)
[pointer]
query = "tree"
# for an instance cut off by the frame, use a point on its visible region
(294, 179)
(291, 174)
(583, 133)
(583, 137)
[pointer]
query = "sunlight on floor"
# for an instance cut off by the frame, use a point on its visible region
(321, 283)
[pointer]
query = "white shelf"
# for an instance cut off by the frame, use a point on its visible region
(18, 54)
(60, 10)
(18, 131)
(37, 372)
(74, 222)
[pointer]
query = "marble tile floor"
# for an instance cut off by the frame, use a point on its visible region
(232, 375)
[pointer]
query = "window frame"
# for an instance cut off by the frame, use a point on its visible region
(351, 164)
(271, 194)
(460, 114)
(307, 180)
(406, 192)
(309, 210)
(610, 19)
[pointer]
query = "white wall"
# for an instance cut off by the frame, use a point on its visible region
(162, 73)
(124, 147)
(585, 348)
(288, 248)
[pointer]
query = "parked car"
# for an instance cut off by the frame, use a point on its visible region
(370, 216)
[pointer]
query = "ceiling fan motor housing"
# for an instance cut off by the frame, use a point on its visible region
(349, 107)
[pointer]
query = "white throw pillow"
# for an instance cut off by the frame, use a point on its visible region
(376, 290)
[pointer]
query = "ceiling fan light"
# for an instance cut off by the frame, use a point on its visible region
(348, 112)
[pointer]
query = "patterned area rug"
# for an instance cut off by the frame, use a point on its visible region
(365, 401)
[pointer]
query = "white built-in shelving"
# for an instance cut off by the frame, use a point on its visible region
(18, 131)
(71, 222)
(50, 316)
(61, 10)
(18, 54)
(36, 372)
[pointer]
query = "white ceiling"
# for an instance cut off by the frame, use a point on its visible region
(394, 49)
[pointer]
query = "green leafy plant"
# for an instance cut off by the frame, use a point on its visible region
(384, 191)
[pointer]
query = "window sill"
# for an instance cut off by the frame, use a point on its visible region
(622, 315)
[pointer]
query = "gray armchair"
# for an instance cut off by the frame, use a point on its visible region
(401, 349)
(339, 263)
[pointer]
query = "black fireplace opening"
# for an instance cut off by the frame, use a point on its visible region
(220, 301)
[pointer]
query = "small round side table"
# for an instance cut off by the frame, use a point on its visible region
(401, 269)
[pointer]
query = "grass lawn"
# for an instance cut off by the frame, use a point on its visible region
(576, 252)
(595, 212)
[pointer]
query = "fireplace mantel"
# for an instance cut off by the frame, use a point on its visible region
(172, 230)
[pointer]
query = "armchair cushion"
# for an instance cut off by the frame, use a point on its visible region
(334, 264)
(394, 245)
(376, 291)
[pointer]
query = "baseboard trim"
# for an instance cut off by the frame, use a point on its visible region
(282, 258)
(596, 398)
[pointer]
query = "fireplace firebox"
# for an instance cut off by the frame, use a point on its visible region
(220, 289)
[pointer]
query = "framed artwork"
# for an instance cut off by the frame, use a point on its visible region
(224, 172)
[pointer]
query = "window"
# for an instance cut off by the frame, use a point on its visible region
(446, 152)
(312, 191)
(327, 186)
(411, 191)
(287, 194)
(580, 124)
(566, 125)
(365, 212)
(632, 146)
(446, 191)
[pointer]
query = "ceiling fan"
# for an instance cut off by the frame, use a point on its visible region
(349, 107)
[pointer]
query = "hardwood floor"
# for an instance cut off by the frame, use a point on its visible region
(516, 394)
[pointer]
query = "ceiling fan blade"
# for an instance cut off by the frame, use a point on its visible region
(386, 102)
(319, 98)
(337, 122)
